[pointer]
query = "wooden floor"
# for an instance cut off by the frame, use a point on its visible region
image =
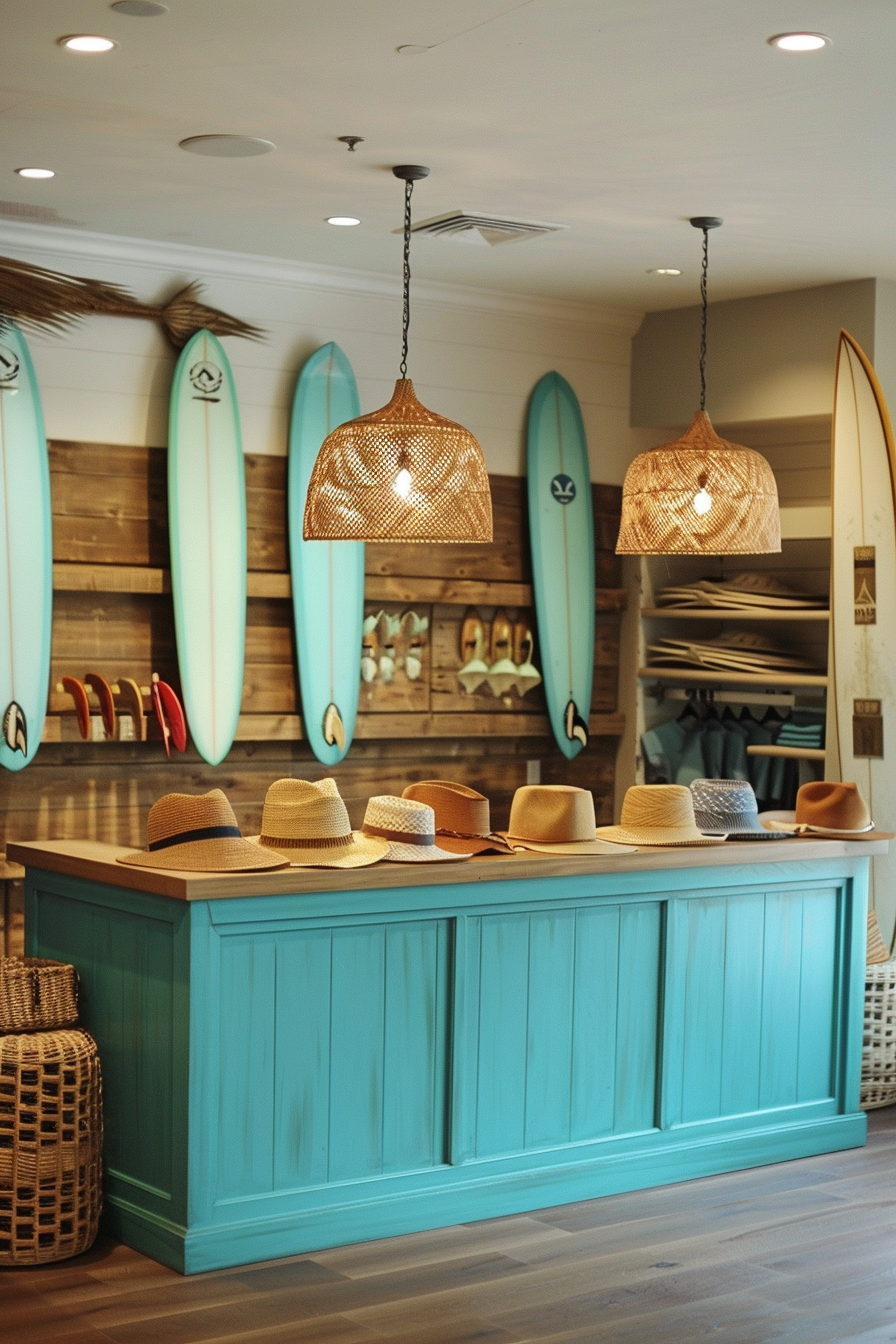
(803, 1252)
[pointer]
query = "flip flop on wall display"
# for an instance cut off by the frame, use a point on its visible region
(76, 689)
(327, 576)
(561, 533)
(103, 692)
(26, 556)
(131, 698)
(207, 522)
(170, 715)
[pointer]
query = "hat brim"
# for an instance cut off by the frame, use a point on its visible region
(735, 828)
(657, 835)
(360, 853)
(802, 830)
(473, 844)
(228, 855)
(572, 847)
(399, 853)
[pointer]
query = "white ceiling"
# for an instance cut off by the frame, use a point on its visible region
(619, 118)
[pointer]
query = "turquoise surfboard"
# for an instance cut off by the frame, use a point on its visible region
(207, 525)
(561, 533)
(26, 556)
(327, 576)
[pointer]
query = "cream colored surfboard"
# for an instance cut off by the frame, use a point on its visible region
(861, 737)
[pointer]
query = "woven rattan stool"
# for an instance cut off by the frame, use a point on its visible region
(51, 1138)
(879, 1037)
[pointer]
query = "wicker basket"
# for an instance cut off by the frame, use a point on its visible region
(879, 1037)
(37, 995)
(51, 1136)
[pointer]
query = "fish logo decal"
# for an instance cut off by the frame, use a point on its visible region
(563, 488)
(334, 732)
(207, 378)
(15, 732)
(574, 725)
(9, 369)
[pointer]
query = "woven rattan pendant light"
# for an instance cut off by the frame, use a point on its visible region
(402, 473)
(700, 495)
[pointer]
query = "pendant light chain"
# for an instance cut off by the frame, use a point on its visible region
(703, 326)
(406, 318)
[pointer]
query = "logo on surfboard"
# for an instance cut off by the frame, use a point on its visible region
(563, 488)
(574, 725)
(15, 732)
(207, 378)
(9, 369)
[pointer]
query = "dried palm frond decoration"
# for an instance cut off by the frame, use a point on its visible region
(50, 301)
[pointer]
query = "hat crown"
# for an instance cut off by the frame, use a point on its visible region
(836, 806)
(183, 814)
(660, 806)
(456, 807)
(724, 797)
(387, 812)
(552, 814)
(297, 809)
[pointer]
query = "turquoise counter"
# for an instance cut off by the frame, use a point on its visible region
(307, 1058)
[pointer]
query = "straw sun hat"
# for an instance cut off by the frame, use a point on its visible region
(463, 821)
(198, 833)
(556, 819)
(657, 814)
(307, 825)
(409, 828)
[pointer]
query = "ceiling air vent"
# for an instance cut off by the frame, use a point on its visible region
(483, 229)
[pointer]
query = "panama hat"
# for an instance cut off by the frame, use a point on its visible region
(307, 824)
(729, 806)
(463, 822)
(198, 832)
(410, 829)
(826, 808)
(658, 814)
(555, 819)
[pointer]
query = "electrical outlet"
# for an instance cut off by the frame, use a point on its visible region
(533, 772)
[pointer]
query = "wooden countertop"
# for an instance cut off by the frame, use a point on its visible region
(96, 862)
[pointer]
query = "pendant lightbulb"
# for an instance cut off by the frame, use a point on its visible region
(702, 501)
(402, 484)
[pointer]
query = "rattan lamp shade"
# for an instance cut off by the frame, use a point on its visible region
(401, 474)
(659, 516)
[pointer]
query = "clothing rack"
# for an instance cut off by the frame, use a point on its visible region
(708, 696)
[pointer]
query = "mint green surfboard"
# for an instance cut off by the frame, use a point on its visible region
(207, 525)
(327, 576)
(26, 556)
(561, 534)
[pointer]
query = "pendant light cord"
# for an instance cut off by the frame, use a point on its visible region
(406, 318)
(703, 325)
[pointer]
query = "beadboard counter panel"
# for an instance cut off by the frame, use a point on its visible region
(315, 1061)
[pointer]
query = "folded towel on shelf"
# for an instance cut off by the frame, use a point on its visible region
(743, 592)
(747, 651)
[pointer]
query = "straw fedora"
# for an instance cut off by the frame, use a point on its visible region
(556, 819)
(409, 828)
(728, 806)
(198, 832)
(833, 809)
(658, 814)
(307, 824)
(463, 823)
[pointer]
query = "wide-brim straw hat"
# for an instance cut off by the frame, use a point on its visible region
(728, 806)
(307, 824)
(409, 827)
(832, 810)
(658, 814)
(463, 817)
(198, 833)
(556, 819)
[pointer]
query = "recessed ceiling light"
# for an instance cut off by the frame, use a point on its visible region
(343, 221)
(799, 41)
(86, 42)
(139, 9)
(663, 270)
(227, 146)
(35, 172)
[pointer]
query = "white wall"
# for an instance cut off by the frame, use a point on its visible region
(475, 355)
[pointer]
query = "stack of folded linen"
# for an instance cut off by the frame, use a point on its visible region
(747, 651)
(745, 592)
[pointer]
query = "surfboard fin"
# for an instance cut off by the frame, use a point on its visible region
(575, 726)
(15, 732)
(334, 732)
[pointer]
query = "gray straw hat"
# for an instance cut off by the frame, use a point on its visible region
(728, 806)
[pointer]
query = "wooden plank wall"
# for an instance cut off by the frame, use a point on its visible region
(112, 614)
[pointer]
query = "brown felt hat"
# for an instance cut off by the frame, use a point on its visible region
(658, 814)
(555, 819)
(198, 833)
(834, 810)
(307, 825)
(463, 821)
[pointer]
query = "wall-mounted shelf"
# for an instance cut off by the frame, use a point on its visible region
(726, 614)
(789, 753)
(688, 676)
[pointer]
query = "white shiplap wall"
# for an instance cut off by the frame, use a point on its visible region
(475, 354)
